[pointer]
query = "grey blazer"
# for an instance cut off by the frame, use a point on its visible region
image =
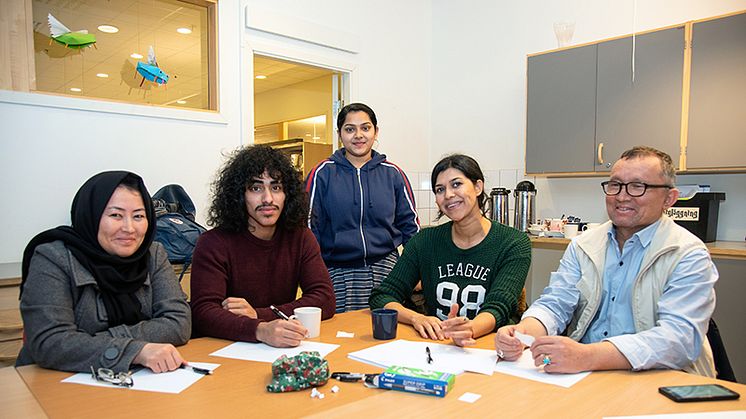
(65, 322)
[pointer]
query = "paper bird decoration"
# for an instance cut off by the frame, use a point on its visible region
(150, 70)
(62, 35)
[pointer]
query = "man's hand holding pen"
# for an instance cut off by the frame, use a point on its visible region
(281, 333)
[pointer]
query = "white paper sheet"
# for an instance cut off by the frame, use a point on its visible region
(527, 340)
(343, 334)
(470, 397)
(146, 380)
(524, 368)
(733, 414)
(265, 353)
(446, 358)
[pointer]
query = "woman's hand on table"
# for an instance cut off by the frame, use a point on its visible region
(159, 357)
(458, 328)
(429, 327)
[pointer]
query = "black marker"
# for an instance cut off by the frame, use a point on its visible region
(278, 313)
(429, 355)
(350, 377)
(202, 371)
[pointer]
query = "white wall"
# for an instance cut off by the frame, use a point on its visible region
(46, 152)
(443, 76)
(479, 87)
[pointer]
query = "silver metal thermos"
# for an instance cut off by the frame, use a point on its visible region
(525, 207)
(499, 202)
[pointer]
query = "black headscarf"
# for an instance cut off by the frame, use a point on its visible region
(118, 278)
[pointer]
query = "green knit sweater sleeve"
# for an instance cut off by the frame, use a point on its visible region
(511, 253)
(399, 284)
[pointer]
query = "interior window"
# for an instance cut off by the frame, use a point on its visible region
(157, 52)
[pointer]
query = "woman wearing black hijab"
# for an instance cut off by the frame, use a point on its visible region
(101, 293)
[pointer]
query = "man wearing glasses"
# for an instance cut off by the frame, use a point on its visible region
(635, 293)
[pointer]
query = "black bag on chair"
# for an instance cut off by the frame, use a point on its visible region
(175, 225)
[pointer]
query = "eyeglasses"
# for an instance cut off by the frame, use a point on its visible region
(123, 379)
(634, 189)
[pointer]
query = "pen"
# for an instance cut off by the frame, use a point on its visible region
(278, 313)
(429, 355)
(202, 371)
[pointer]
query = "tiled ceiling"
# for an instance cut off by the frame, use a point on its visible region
(282, 73)
(141, 23)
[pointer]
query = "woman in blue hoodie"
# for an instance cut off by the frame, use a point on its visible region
(361, 209)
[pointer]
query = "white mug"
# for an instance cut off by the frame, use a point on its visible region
(570, 230)
(310, 318)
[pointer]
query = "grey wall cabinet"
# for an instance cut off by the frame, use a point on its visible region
(717, 106)
(560, 119)
(584, 108)
(646, 110)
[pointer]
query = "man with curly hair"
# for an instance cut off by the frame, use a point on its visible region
(258, 254)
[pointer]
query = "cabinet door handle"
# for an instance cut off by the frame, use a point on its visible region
(600, 153)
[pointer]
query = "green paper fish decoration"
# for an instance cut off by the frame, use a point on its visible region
(62, 35)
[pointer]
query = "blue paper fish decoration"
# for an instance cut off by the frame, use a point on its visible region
(150, 70)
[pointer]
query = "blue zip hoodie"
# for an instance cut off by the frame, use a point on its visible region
(359, 215)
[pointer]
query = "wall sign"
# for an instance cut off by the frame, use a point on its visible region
(683, 213)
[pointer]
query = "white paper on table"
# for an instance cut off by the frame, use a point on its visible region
(524, 368)
(174, 381)
(446, 358)
(264, 353)
(343, 334)
(470, 397)
(733, 414)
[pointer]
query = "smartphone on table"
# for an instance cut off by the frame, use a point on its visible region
(698, 393)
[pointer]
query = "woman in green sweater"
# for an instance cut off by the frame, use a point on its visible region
(472, 269)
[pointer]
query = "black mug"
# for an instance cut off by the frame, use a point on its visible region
(384, 323)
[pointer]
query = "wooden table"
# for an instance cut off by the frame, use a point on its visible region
(16, 400)
(237, 389)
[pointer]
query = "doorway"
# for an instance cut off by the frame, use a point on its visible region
(295, 106)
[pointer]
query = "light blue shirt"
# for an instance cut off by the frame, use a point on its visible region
(684, 309)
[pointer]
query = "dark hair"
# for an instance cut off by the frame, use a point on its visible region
(467, 165)
(667, 169)
(228, 208)
(356, 107)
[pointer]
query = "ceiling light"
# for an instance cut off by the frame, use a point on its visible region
(102, 75)
(181, 102)
(260, 77)
(184, 31)
(135, 55)
(76, 89)
(108, 29)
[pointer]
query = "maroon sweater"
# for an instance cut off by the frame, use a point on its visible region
(264, 272)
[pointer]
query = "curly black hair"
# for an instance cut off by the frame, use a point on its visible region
(228, 208)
